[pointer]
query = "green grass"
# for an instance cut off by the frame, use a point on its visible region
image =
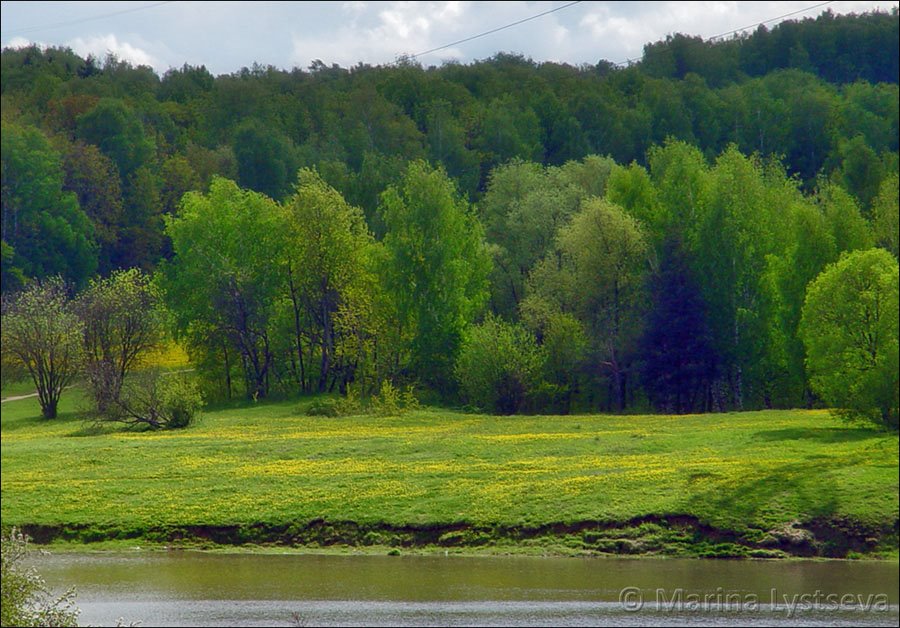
(270, 464)
(16, 388)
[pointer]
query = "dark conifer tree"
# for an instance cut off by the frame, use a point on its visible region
(678, 358)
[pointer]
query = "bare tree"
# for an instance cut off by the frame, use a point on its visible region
(42, 335)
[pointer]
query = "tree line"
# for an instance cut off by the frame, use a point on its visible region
(512, 235)
(96, 152)
(686, 287)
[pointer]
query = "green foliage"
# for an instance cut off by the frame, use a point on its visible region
(391, 401)
(678, 361)
(41, 334)
(861, 171)
(886, 215)
(325, 406)
(47, 230)
(265, 159)
(436, 267)
(524, 207)
(499, 366)
(301, 297)
(25, 599)
(94, 179)
(738, 223)
(117, 131)
(142, 240)
(122, 321)
(154, 400)
(323, 262)
(849, 327)
(222, 280)
(12, 276)
(181, 400)
(597, 274)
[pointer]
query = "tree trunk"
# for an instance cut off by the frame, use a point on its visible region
(49, 409)
(326, 349)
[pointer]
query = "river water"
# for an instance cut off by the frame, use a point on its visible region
(203, 589)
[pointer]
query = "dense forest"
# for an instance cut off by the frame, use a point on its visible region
(513, 235)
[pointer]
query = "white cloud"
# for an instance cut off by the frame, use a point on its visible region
(21, 42)
(100, 45)
(286, 34)
(354, 7)
(376, 34)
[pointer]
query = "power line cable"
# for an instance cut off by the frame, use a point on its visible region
(745, 28)
(780, 17)
(34, 29)
(496, 30)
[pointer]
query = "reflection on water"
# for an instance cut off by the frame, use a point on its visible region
(192, 588)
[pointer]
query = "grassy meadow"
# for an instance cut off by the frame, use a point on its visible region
(269, 465)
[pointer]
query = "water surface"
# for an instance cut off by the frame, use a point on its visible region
(200, 589)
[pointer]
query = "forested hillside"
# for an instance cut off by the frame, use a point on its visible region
(514, 235)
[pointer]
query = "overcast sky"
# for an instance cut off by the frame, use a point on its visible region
(225, 36)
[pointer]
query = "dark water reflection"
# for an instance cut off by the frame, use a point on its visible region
(197, 589)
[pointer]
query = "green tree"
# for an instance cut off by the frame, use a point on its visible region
(849, 327)
(48, 231)
(598, 273)
(807, 246)
(117, 131)
(122, 321)
(678, 361)
(508, 131)
(326, 241)
(524, 207)
(142, 238)
(849, 230)
(42, 336)
(499, 365)
(736, 215)
(94, 179)
(221, 283)
(177, 178)
(446, 142)
(436, 268)
(12, 276)
(860, 171)
(266, 159)
(886, 214)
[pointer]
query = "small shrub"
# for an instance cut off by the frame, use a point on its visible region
(181, 400)
(390, 401)
(155, 400)
(335, 406)
(499, 366)
(324, 407)
(24, 597)
(387, 401)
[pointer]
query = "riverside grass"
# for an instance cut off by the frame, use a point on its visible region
(269, 464)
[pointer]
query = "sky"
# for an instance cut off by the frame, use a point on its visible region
(226, 36)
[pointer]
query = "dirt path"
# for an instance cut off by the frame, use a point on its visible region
(18, 397)
(34, 394)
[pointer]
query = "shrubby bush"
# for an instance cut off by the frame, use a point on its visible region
(328, 406)
(155, 400)
(24, 597)
(499, 366)
(389, 401)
